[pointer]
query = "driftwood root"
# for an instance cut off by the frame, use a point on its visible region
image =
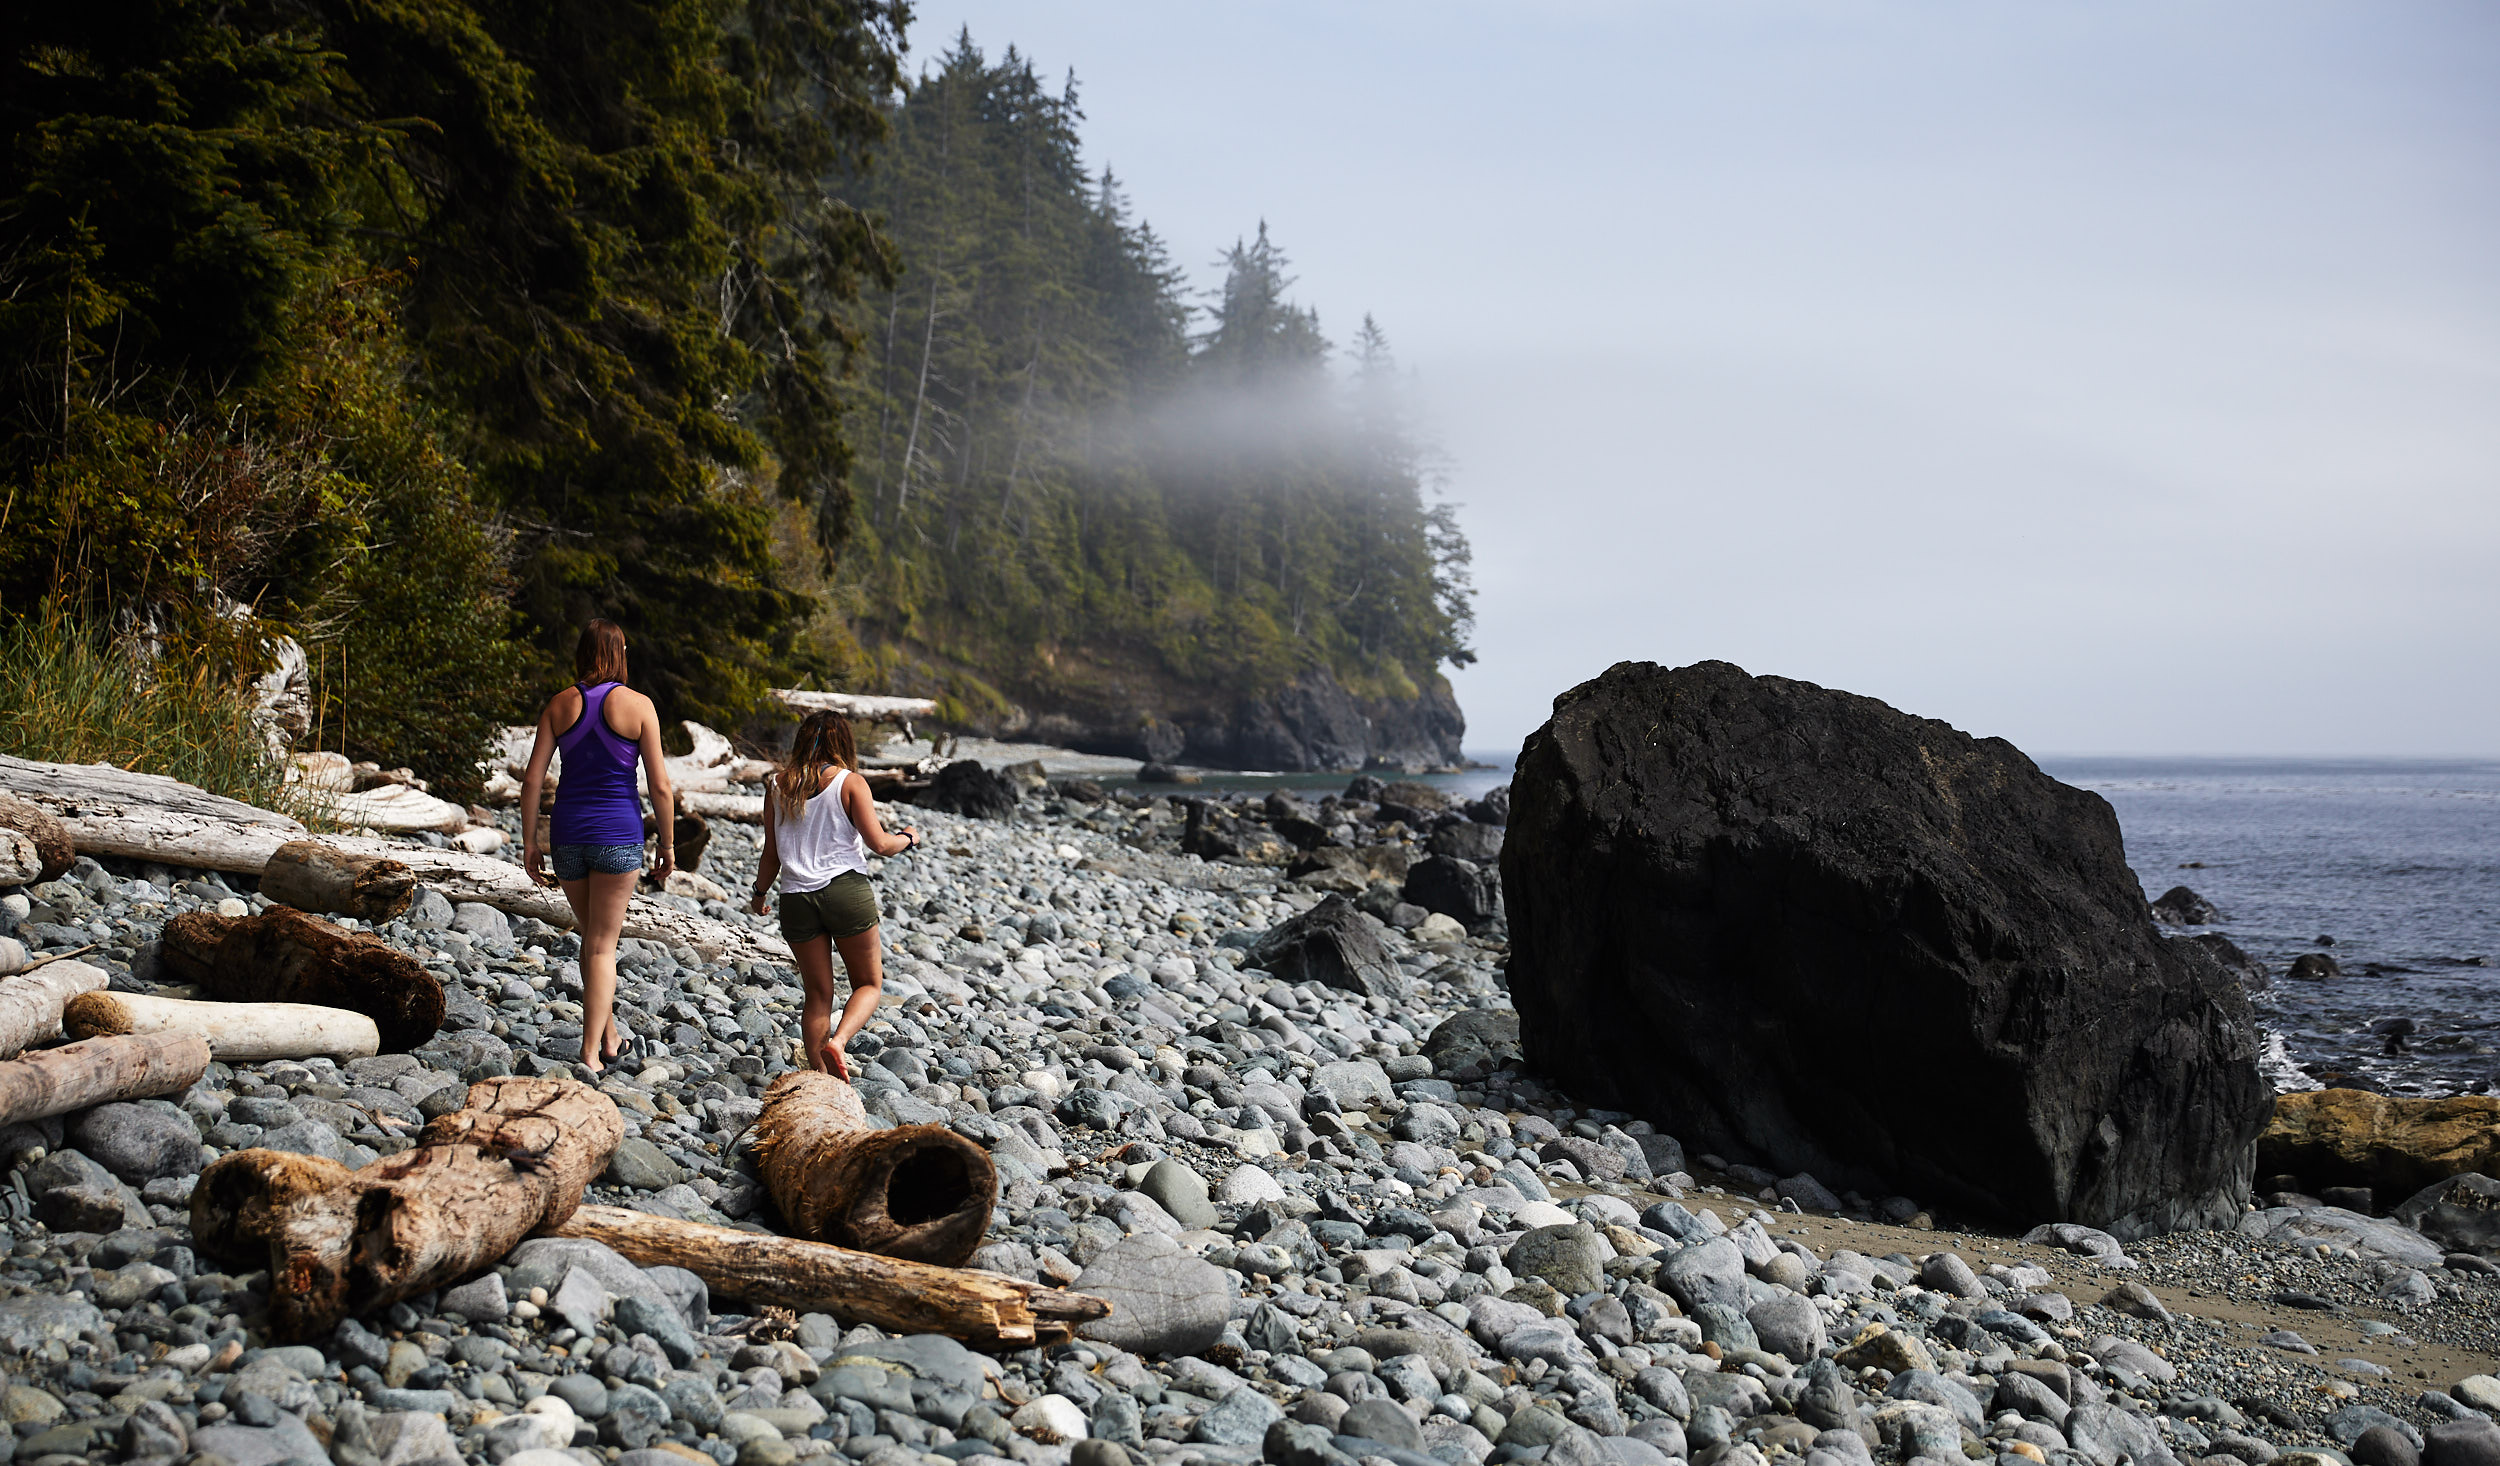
(919, 1192)
(284, 956)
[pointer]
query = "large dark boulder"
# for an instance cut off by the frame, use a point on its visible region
(2181, 906)
(965, 787)
(1462, 890)
(1801, 928)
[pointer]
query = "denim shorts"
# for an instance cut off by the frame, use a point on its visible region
(576, 862)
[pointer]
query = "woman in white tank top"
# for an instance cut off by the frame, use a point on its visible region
(820, 827)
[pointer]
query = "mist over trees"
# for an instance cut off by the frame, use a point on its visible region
(1069, 470)
(427, 330)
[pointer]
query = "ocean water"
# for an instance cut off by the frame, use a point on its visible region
(2391, 867)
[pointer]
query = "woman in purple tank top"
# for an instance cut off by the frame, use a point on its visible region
(603, 728)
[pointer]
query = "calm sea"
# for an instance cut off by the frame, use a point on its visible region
(2390, 866)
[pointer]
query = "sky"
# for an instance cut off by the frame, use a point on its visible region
(2113, 377)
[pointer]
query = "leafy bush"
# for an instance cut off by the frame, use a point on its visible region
(79, 697)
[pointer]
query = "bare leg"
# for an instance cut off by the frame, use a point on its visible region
(598, 901)
(814, 960)
(864, 960)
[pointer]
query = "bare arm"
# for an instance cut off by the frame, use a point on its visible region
(768, 868)
(533, 783)
(663, 794)
(862, 808)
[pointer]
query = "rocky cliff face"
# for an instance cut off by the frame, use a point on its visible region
(1312, 724)
(1813, 933)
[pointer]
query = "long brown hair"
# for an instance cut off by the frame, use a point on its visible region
(600, 654)
(822, 743)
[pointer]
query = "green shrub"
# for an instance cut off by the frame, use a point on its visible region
(78, 697)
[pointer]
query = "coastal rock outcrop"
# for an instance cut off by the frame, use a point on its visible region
(2393, 1145)
(1802, 928)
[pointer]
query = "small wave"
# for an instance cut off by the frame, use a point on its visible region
(2276, 1064)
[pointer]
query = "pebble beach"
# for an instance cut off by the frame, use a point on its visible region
(1337, 1225)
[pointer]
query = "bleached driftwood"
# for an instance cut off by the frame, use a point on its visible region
(109, 811)
(984, 1309)
(245, 1032)
(338, 1242)
(398, 809)
(98, 1071)
(41, 829)
(859, 706)
(743, 809)
(21, 864)
(311, 875)
(31, 1002)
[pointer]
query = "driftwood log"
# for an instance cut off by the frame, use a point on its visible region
(31, 1002)
(984, 1309)
(109, 811)
(100, 1070)
(245, 1032)
(311, 876)
(284, 956)
(694, 836)
(21, 864)
(917, 1192)
(340, 1242)
(43, 832)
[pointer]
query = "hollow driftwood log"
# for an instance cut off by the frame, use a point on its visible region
(21, 864)
(284, 956)
(918, 1192)
(235, 1031)
(43, 833)
(74, 1076)
(984, 1309)
(31, 1002)
(311, 876)
(340, 1242)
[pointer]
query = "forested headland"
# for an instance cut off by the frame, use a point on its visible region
(423, 331)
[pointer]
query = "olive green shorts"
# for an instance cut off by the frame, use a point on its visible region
(843, 907)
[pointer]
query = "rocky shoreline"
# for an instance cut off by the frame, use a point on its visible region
(1340, 1220)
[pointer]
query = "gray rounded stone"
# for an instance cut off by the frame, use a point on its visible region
(1163, 1300)
(1789, 1326)
(1181, 1192)
(138, 1141)
(1567, 1257)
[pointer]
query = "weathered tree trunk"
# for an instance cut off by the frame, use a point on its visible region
(74, 1076)
(284, 956)
(340, 1242)
(109, 811)
(31, 1002)
(984, 1309)
(311, 876)
(918, 1192)
(235, 1031)
(43, 831)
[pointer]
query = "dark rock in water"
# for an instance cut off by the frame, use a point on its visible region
(965, 787)
(2314, 967)
(1462, 890)
(1734, 901)
(2461, 1214)
(1334, 944)
(1080, 791)
(2216, 947)
(2180, 906)
(1364, 789)
(1493, 808)
(1159, 773)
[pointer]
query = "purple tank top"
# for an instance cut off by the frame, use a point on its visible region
(595, 800)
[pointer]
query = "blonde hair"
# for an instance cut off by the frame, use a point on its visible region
(822, 744)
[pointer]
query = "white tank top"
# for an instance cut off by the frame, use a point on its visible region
(821, 843)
